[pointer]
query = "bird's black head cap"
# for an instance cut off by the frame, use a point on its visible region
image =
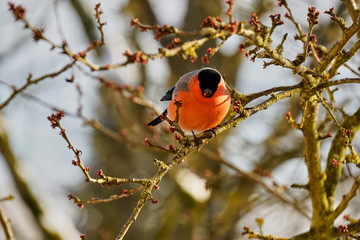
(209, 80)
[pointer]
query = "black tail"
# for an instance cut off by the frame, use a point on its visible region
(158, 120)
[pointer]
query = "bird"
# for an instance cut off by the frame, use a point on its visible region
(201, 98)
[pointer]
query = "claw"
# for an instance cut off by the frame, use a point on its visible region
(198, 141)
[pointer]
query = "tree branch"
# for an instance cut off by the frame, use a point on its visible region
(257, 178)
(6, 225)
(312, 158)
(337, 47)
(342, 58)
(31, 81)
(353, 10)
(346, 199)
(337, 151)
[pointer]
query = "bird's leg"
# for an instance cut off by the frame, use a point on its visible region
(197, 141)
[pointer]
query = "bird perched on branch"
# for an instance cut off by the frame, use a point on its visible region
(201, 98)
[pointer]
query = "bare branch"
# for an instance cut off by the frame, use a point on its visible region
(31, 81)
(6, 225)
(353, 10)
(338, 47)
(346, 199)
(258, 179)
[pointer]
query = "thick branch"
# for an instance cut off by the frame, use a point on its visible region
(338, 47)
(342, 58)
(337, 151)
(333, 233)
(312, 158)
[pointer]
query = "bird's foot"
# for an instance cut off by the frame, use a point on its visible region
(198, 141)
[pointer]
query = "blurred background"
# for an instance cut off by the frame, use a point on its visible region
(199, 199)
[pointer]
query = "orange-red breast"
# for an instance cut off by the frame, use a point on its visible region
(204, 99)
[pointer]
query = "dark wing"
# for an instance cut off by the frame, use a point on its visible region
(158, 120)
(168, 95)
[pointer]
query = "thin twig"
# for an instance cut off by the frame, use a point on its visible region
(6, 225)
(351, 69)
(346, 199)
(126, 193)
(31, 81)
(341, 128)
(103, 180)
(257, 178)
(8, 198)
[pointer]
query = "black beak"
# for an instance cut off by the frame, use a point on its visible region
(207, 92)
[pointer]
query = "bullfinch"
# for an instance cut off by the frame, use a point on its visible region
(204, 101)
